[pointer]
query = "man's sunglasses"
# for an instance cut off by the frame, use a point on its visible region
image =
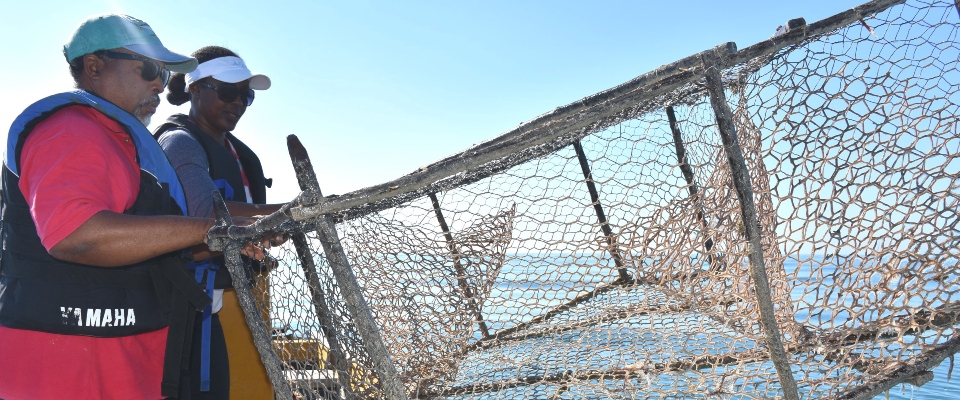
(151, 70)
(228, 93)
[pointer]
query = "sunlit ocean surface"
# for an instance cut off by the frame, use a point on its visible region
(939, 388)
(514, 284)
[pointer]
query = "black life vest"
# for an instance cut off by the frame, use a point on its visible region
(41, 293)
(223, 165)
(226, 175)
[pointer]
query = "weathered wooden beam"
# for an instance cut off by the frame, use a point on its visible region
(944, 316)
(307, 180)
(543, 317)
(258, 329)
(766, 48)
(600, 289)
(538, 137)
(748, 210)
(551, 131)
(350, 288)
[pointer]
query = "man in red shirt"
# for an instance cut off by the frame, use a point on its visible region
(94, 299)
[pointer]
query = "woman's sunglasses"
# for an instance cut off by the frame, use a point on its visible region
(228, 93)
(151, 70)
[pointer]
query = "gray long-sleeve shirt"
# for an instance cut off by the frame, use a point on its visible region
(190, 161)
(192, 167)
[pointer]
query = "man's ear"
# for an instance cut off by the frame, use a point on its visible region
(92, 65)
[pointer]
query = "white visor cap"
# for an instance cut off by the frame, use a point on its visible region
(227, 69)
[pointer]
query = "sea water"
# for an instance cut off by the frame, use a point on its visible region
(515, 290)
(939, 388)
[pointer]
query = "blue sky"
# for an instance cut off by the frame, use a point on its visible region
(376, 90)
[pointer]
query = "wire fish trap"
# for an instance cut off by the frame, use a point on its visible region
(777, 221)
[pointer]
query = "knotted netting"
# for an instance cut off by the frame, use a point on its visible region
(778, 221)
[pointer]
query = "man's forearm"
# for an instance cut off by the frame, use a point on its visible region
(109, 239)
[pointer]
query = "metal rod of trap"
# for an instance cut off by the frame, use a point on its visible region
(716, 262)
(601, 217)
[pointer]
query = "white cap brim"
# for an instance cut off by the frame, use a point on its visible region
(230, 70)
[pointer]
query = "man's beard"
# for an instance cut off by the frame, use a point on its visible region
(139, 112)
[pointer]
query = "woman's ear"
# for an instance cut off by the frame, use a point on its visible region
(194, 91)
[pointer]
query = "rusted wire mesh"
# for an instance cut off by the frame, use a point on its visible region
(604, 250)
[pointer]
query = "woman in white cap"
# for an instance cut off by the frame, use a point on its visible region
(208, 157)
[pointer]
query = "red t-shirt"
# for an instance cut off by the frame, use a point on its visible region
(75, 164)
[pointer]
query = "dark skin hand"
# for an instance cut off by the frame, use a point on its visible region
(252, 250)
(245, 214)
(256, 212)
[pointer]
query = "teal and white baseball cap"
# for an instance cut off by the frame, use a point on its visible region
(111, 31)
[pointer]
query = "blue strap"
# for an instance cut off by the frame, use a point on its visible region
(222, 184)
(151, 157)
(205, 344)
(209, 269)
